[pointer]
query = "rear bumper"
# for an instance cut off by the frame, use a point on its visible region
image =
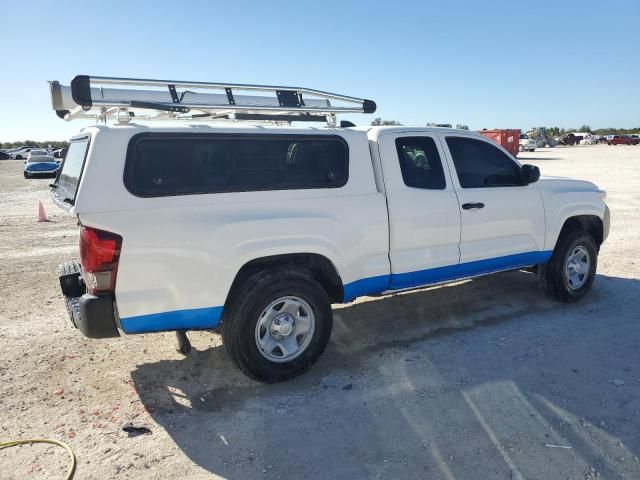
(94, 315)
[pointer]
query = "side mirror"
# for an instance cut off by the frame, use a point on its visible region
(530, 173)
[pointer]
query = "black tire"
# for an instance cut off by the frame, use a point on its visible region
(521, 148)
(249, 301)
(19, 157)
(551, 274)
(26, 175)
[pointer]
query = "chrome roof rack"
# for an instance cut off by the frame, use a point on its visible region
(122, 99)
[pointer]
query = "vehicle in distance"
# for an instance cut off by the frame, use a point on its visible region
(569, 139)
(40, 166)
(621, 140)
(592, 139)
(527, 144)
(21, 153)
(37, 152)
(257, 230)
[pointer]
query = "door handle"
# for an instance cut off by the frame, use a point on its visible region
(469, 206)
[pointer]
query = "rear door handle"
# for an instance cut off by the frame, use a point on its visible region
(469, 206)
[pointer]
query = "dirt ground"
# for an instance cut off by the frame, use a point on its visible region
(479, 380)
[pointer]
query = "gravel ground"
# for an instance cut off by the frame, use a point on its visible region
(482, 379)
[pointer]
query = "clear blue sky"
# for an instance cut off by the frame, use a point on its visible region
(487, 64)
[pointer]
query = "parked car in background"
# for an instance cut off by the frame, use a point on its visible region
(527, 144)
(37, 152)
(569, 139)
(22, 152)
(591, 139)
(41, 166)
(4, 156)
(622, 140)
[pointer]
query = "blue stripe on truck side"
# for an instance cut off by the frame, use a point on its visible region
(420, 278)
(209, 317)
(365, 286)
(191, 319)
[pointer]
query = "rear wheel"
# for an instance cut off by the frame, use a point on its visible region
(521, 148)
(569, 273)
(27, 175)
(278, 325)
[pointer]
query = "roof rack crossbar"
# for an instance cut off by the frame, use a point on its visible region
(101, 97)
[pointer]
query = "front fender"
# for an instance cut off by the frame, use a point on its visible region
(558, 217)
(564, 198)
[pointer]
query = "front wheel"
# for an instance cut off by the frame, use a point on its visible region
(279, 326)
(569, 273)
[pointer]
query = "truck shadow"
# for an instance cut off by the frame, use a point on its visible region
(463, 381)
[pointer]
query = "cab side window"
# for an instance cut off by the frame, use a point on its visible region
(481, 165)
(420, 163)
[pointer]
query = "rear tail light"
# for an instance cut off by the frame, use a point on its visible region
(99, 254)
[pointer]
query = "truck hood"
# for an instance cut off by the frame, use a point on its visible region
(563, 184)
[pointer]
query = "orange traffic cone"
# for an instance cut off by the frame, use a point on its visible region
(42, 217)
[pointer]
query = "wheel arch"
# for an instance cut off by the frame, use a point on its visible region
(592, 224)
(319, 266)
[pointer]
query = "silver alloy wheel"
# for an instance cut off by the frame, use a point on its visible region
(285, 329)
(577, 267)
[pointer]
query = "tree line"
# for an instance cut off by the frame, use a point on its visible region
(553, 131)
(559, 131)
(43, 144)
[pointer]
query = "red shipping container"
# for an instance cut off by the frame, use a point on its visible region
(508, 138)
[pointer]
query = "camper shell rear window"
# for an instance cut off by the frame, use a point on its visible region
(66, 184)
(161, 164)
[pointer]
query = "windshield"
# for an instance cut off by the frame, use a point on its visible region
(39, 152)
(67, 182)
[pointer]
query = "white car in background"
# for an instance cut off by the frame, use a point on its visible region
(21, 153)
(37, 152)
(526, 144)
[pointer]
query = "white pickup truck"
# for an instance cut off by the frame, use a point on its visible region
(256, 230)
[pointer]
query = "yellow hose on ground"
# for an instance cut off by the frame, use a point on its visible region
(72, 466)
